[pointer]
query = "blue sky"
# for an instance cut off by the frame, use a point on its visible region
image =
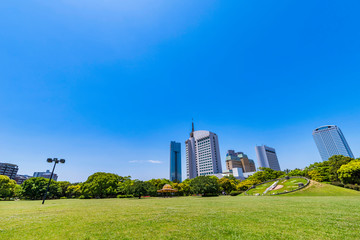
(107, 85)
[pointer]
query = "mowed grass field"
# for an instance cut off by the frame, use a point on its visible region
(242, 217)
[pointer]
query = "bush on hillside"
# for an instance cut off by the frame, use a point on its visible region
(235, 193)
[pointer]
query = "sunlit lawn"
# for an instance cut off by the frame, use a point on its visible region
(183, 218)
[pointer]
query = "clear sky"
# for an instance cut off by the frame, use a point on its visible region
(108, 84)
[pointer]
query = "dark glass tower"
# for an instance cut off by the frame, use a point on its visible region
(175, 161)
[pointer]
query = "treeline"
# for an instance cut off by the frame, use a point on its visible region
(338, 170)
(109, 185)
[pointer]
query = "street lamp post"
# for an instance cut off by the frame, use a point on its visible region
(50, 160)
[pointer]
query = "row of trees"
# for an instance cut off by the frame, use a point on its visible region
(338, 170)
(109, 185)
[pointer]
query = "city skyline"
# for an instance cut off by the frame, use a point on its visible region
(107, 86)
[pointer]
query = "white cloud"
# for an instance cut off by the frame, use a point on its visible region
(143, 161)
(154, 161)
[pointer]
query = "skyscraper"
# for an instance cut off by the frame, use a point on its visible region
(267, 157)
(202, 154)
(175, 161)
(330, 141)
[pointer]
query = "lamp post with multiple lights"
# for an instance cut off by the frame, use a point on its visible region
(50, 160)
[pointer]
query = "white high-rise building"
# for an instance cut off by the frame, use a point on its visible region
(202, 154)
(331, 141)
(267, 157)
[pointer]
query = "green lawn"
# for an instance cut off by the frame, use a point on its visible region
(241, 217)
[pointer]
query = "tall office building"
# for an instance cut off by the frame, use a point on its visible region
(175, 161)
(9, 170)
(239, 160)
(202, 154)
(46, 174)
(331, 141)
(267, 157)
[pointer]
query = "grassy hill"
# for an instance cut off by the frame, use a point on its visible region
(323, 189)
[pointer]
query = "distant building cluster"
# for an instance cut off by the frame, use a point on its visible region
(203, 158)
(203, 154)
(11, 170)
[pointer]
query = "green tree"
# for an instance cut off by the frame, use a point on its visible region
(227, 185)
(101, 185)
(35, 188)
(246, 184)
(183, 188)
(8, 187)
(266, 174)
(297, 172)
(350, 173)
(205, 185)
(63, 185)
(73, 191)
(334, 163)
(159, 183)
(140, 188)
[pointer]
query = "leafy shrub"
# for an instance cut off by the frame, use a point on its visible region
(63, 198)
(339, 184)
(125, 196)
(235, 193)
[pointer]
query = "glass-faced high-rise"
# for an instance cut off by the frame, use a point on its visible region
(330, 141)
(175, 161)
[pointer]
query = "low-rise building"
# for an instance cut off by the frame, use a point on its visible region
(239, 160)
(46, 174)
(21, 178)
(9, 170)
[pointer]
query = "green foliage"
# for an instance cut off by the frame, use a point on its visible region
(266, 174)
(235, 193)
(227, 184)
(140, 188)
(327, 171)
(73, 191)
(183, 188)
(246, 184)
(297, 172)
(350, 173)
(101, 185)
(125, 196)
(159, 183)
(64, 186)
(8, 187)
(205, 185)
(34, 188)
(124, 185)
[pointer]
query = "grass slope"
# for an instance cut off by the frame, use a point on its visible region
(323, 189)
(183, 218)
(287, 185)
